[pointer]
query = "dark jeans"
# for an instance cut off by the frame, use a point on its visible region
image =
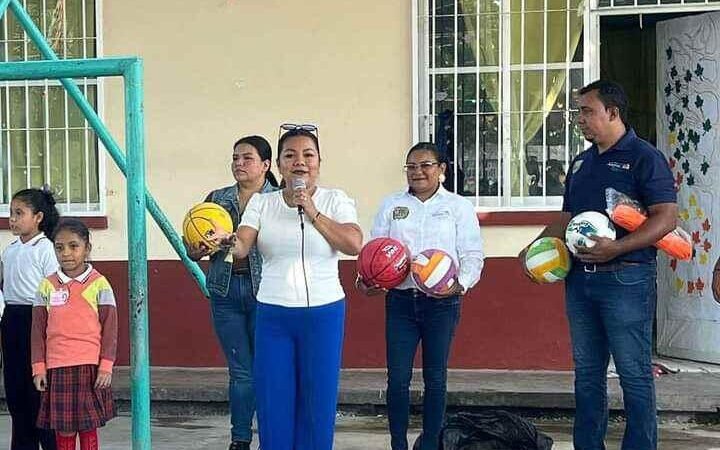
(612, 313)
(234, 321)
(410, 317)
(23, 400)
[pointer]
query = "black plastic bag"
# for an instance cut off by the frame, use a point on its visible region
(490, 430)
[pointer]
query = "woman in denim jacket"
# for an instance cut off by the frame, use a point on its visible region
(233, 283)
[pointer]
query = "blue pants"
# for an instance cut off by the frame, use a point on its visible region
(612, 313)
(410, 317)
(234, 321)
(297, 370)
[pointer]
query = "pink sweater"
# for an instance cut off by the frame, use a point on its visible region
(74, 322)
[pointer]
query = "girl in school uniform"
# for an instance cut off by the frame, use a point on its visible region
(25, 262)
(74, 341)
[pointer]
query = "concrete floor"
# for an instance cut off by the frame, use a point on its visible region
(359, 433)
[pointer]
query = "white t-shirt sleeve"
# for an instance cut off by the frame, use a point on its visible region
(46, 256)
(253, 211)
(342, 208)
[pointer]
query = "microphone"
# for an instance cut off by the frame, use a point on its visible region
(299, 183)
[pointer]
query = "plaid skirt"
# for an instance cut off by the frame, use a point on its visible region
(71, 403)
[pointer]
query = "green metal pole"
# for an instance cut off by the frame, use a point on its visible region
(106, 138)
(137, 258)
(66, 68)
(3, 6)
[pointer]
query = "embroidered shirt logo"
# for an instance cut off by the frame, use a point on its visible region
(400, 212)
(576, 165)
(618, 166)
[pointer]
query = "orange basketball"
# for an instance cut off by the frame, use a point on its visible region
(384, 262)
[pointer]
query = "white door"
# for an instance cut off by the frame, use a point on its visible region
(688, 127)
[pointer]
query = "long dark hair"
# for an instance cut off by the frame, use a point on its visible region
(264, 151)
(40, 200)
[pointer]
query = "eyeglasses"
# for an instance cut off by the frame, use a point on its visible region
(425, 165)
(310, 128)
(304, 126)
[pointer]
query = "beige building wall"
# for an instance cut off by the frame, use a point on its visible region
(219, 69)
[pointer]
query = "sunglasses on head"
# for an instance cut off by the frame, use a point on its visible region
(308, 127)
(304, 126)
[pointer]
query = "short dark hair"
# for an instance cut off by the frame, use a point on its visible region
(74, 226)
(428, 147)
(611, 94)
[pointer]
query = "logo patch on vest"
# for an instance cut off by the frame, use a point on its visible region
(618, 166)
(400, 212)
(577, 165)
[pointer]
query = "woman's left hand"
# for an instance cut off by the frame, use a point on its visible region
(103, 381)
(457, 289)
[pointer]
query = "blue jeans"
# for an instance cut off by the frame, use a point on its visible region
(234, 321)
(612, 313)
(297, 372)
(410, 317)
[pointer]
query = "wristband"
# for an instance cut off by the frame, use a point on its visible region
(315, 218)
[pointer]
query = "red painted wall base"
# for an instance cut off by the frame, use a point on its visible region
(507, 322)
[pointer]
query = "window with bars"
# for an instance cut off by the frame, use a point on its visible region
(44, 137)
(650, 3)
(496, 91)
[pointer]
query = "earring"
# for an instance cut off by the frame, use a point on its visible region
(442, 178)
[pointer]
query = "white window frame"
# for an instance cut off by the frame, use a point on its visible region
(84, 209)
(595, 12)
(503, 202)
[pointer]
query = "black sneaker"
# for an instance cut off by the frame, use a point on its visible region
(239, 445)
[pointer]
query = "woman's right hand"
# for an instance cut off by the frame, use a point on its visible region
(196, 252)
(368, 290)
(40, 382)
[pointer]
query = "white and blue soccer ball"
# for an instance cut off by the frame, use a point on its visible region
(589, 223)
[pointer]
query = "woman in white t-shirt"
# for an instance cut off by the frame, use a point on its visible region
(300, 232)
